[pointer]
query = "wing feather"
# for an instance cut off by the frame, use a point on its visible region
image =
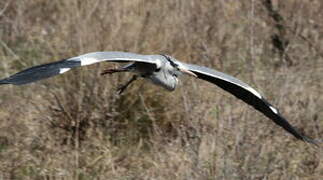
(55, 68)
(247, 94)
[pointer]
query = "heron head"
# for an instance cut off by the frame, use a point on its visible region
(178, 68)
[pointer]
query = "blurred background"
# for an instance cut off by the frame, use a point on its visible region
(76, 126)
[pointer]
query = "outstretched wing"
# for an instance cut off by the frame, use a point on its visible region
(55, 68)
(247, 94)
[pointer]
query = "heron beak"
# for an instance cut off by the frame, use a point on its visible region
(188, 72)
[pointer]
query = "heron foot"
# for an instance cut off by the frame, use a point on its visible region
(121, 89)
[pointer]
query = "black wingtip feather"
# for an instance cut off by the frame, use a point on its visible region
(281, 121)
(316, 142)
(39, 72)
(4, 81)
(260, 104)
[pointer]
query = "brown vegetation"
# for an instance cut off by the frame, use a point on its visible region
(76, 127)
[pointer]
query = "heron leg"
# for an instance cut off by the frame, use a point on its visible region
(113, 70)
(123, 87)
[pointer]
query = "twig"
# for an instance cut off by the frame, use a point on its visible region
(60, 105)
(4, 8)
(9, 50)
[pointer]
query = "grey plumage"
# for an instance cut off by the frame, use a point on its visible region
(161, 70)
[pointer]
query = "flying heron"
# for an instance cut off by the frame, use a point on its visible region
(162, 70)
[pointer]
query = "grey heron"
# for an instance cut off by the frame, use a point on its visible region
(162, 70)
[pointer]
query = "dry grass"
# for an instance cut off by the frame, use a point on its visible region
(76, 127)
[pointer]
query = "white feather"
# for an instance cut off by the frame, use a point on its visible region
(158, 63)
(88, 60)
(63, 70)
(254, 92)
(274, 109)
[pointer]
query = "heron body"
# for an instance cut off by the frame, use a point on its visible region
(162, 70)
(161, 75)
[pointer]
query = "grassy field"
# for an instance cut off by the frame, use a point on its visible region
(76, 126)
